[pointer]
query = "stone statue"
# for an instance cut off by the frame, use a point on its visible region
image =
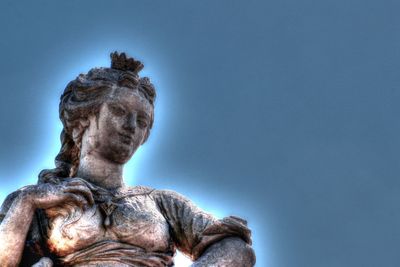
(82, 214)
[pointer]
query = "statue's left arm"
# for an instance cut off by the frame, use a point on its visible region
(208, 241)
(230, 251)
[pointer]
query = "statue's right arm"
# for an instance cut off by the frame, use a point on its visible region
(18, 209)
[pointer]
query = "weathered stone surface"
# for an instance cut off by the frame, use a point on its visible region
(82, 214)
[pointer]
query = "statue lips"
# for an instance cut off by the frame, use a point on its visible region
(126, 138)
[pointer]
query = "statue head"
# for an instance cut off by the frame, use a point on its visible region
(111, 108)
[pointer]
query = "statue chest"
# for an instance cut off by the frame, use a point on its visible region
(134, 220)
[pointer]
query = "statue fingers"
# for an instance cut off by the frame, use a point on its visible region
(81, 190)
(75, 181)
(77, 199)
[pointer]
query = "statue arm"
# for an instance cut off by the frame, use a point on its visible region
(230, 251)
(208, 241)
(18, 210)
(16, 213)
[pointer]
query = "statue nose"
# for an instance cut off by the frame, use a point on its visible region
(130, 124)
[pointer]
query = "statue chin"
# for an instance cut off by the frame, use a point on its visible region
(119, 153)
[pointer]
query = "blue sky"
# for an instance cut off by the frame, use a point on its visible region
(283, 112)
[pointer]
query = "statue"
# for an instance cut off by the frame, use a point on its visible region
(82, 214)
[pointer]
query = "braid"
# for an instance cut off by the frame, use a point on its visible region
(62, 161)
(76, 151)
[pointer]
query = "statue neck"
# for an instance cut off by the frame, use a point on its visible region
(100, 172)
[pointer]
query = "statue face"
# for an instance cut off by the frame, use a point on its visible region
(120, 127)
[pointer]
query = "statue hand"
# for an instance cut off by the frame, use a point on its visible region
(47, 195)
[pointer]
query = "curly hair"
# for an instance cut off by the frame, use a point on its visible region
(82, 98)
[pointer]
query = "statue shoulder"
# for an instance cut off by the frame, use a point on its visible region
(8, 201)
(137, 190)
(171, 202)
(168, 194)
(163, 197)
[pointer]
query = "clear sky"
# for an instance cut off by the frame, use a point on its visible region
(284, 112)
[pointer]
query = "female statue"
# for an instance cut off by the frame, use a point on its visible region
(82, 214)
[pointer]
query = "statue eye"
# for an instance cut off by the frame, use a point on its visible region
(117, 110)
(142, 122)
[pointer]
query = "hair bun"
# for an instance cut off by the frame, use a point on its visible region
(120, 61)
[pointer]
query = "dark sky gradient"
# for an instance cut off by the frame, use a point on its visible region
(284, 112)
